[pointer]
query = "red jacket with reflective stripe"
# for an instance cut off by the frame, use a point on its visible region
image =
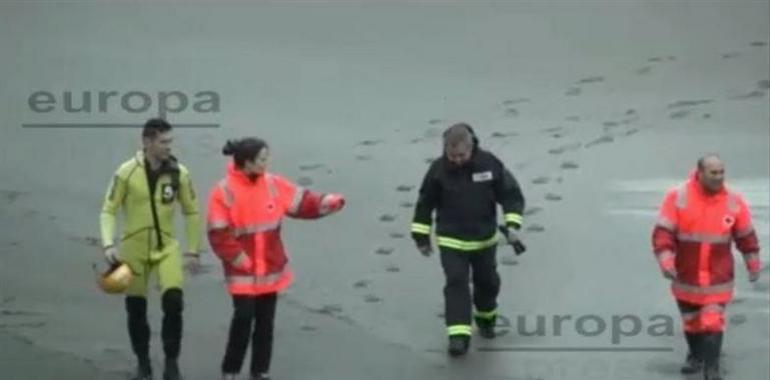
(244, 228)
(693, 237)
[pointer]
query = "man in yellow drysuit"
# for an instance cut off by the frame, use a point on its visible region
(146, 188)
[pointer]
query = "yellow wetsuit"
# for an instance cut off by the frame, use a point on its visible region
(147, 242)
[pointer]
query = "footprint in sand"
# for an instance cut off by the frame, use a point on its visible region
(573, 91)
(601, 140)
(308, 328)
(764, 84)
(10, 195)
(541, 180)
(406, 204)
(397, 235)
(644, 70)
(689, 103)
(553, 197)
(707, 116)
(552, 130)
(751, 95)
(393, 269)
(569, 165)
(559, 179)
(384, 251)
(416, 140)
(363, 157)
(610, 124)
(508, 261)
(731, 55)
(511, 112)
(436, 121)
(362, 284)
(328, 309)
(671, 58)
(370, 142)
(758, 43)
(594, 79)
(738, 319)
(19, 313)
(565, 148)
(404, 188)
(655, 59)
(679, 115)
(631, 132)
(532, 211)
(370, 298)
(304, 181)
(387, 218)
(502, 135)
(572, 118)
(309, 167)
(535, 228)
(511, 102)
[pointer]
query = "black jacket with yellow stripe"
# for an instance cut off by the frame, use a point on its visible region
(465, 200)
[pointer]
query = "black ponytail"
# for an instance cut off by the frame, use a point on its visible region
(242, 150)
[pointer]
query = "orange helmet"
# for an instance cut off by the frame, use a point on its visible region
(116, 279)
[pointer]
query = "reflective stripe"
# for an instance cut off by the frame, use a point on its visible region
(666, 256)
(703, 238)
(298, 194)
(712, 308)
(689, 316)
(238, 260)
(217, 225)
(324, 208)
(732, 202)
(256, 228)
(713, 289)
(420, 228)
(254, 280)
(681, 197)
(228, 194)
(513, 218)
(751, 256)
(465, 245)
(459, 330)
(744, 232)
(486, 314)
(665, 223)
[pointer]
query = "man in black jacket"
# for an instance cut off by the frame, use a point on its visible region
(464, 187)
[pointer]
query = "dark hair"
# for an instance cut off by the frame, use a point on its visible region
(242, 150)
(154, 127)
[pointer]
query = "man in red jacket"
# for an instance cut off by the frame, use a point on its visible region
(692, 241)
(245, 213)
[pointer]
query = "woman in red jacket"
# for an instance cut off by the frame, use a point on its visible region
(245, 212)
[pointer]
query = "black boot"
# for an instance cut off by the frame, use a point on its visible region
(486, 327)
(143, 370)
(458, 344)
(694, 362)
(260, 376)
(712, 349)
(171, 371)
(139, 333)
(172, 331)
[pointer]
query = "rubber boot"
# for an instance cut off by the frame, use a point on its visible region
(171, 371)
(139, 333)
(458, 345)
(260, 376)
(694, 361)
(486, 327)
(712, 347)
(143, 370)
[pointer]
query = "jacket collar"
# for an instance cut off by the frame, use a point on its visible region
(240, 177)
(694, 183)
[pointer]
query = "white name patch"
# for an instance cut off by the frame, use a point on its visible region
(482, 176)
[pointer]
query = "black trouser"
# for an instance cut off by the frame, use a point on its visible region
(171, 329)
(704, 346)
(457, 293)
(258, 311)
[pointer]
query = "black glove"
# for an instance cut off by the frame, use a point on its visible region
(513, 240)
